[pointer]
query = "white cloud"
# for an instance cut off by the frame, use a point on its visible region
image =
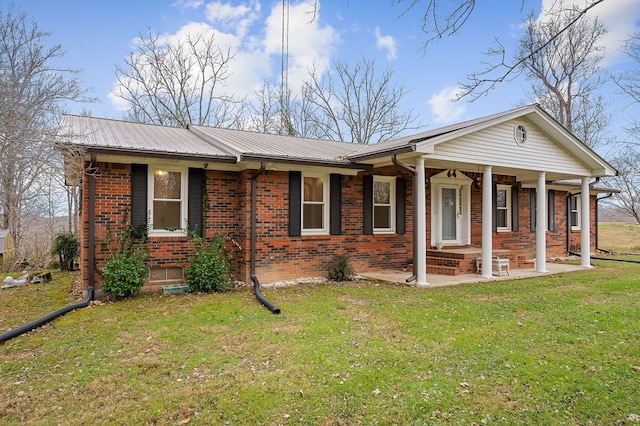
(443, 107)
(236, 19)
(256, 45)
(188, 4)
(387, 43)
(308, 40)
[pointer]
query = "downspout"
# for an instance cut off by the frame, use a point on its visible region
(597, 233)
(252, 261)
(90, 253)
(569, 224)
(415, 201)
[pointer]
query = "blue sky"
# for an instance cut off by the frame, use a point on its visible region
(97, 35)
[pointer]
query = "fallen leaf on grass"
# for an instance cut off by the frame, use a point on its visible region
(185, 420)
(636, 367)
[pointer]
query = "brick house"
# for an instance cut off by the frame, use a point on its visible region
(515, 184)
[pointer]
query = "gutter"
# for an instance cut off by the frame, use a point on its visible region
(252, 261)
(415, 201)
(90, 269)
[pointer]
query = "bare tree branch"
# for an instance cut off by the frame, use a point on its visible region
(33, 89)
(177, 83)
(481, 83)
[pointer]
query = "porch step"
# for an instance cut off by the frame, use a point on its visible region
(457, 261)
(443, 270)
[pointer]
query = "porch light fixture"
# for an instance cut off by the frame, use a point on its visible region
(477, 181)
(452, 173)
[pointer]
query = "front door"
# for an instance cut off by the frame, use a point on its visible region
(450, 210)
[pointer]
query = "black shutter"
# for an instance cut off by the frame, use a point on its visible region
(295, 202)
(494, 207)
(367, 204)
(195, 201)
(515, 213)
(335, 204)
(138, 195)
(552, 210)
(532, 211)
(401, 205)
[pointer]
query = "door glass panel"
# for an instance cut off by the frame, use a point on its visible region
(449, 208)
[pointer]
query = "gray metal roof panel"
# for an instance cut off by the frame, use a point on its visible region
(263, 145)
(124, 136)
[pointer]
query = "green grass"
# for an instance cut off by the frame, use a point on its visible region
(551, 350)
(620, 237)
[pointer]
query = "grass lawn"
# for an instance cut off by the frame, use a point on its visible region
(620, 237)
(561, 349)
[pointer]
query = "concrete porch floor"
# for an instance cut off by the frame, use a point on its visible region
(435, 280)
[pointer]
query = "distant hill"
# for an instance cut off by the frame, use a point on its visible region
(608, 213)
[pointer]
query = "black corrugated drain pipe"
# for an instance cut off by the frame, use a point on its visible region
(45, 319)
(252, 261)
(91, 254)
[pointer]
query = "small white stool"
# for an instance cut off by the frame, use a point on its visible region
(496, 261)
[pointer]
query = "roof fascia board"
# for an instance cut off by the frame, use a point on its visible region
(357, 158)
(305, 162)
(154, 154)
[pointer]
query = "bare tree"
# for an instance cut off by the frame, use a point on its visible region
(33, 89)
(629, 81)
(178, 82)
(500, 69)
(564, 73)
(628, 181)
(627, 161)
(357, 104)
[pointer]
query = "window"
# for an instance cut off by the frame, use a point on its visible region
(167, 191)
(574, 213)
(520, 134)
(315, 203)
(503, 207)
(383, 204)
(166, 274)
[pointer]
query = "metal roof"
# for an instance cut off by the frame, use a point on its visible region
(262, 146)
(123, 137)
(227, 145)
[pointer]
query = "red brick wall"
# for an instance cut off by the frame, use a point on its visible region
(280, 257)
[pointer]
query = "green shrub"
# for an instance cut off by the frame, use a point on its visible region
(340, 269)
(210, 269)
(66, 246)
(124, 274)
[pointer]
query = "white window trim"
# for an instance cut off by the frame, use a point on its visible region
(392, 205)
(507, 208)
(184, 174)
(325, 211)
(577, 226)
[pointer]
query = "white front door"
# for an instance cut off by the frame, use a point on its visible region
(451, 209)
(451, 214)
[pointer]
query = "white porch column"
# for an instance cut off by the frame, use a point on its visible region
(420, 222)
(487, 222)
(585, 226)
(541, 223)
